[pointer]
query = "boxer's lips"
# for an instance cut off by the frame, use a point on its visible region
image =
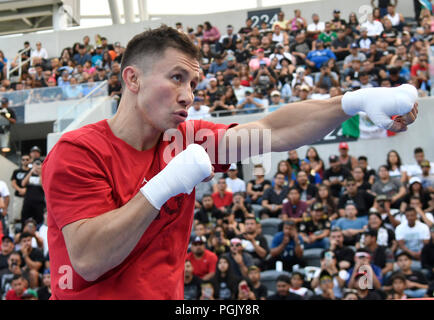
(181, 115)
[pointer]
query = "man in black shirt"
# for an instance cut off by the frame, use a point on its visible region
(273, 197)
(315, 229)
(33, 258)
(192, 288)
(361, 199)
(344, 255)
(335, 177)
(208, 213)
(283, 283)
(7, 247)
(16, 180)
(255, 243)
(259, 289)
(341, 45)
(7, 118)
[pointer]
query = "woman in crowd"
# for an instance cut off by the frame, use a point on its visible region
(107, 61)
(325, 197)
(224, 281)
(394, 165)
(206, 57)
(315, 161)
(284, 167)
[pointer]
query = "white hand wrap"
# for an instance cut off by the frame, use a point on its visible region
(380, 103)
(181, 175)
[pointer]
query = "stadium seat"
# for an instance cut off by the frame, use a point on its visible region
(312, 257)
(269, 239)
(256, 208)
(269, 277)
(270, 226)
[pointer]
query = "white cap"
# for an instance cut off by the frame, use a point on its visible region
(233, 166)
(275, 92)
(415, 179)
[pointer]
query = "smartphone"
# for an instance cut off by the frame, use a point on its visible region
(244, 287)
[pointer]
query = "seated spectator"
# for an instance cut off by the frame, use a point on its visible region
(393, 189)
(398, 285)
(341, 45)
(211, 34)
(232, 227)
(362, 199)
(283, 284)
(301, 77)
(203, 260)
(234, 183)
(326, 287)
(294, 209)
(364, 41)
(281, 21)
(363, 291)
(396, 19)
(316, 27)
(350, 224)
(273, 197)
(219, 64)
(198, 110)
(297, 23)
(307, 190)
(257, 186)
(287, 246)
(427, 256)
(316, 163)
(207, 291)
(30, 226)
(363, 264)
(369, 173)
(313, 178)
(250, 103)
(329, 266)
(192, 283)
(427, 178)
(44, 292)
(254, 243)
(82, 56)
(329, 203)
(389, 34)
(14, 269)
(33, 258)
(416, 284)
(359, 179)
(420, 199)
(297, 281)
(7, 247)
(328, 35)
(335, 177)
(259, 289)
(208, 213)
(412, 235)
(300, 48)
(19, 286)
(245, 289)
(240, 208)
(218, 242)
(416, 168)
(239, 260)
(375, 28)
(222, 197)
(264, 77)
(326, 77)
(276, 101)
(316, 58)
(224, 281)
(73, 91)
(315, 229)
(385, 233)
(394, 164)
(381, 256)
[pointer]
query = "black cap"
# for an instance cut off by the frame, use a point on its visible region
(35, 148)
(5, 100)
(333, 158)
(7, 238)
(199, 239)
(370, 232)
(336, 11)
(317, 206)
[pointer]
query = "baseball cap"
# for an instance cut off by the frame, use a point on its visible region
(199, 239)
(235, 241)
(260, 50)
(7, 238)
(317, 206)
(233, 166)
(5, 100)
(343, 145)
(230, 58)
(354, 45)
(117, 44)
(414, 180)
(35, 148)
(333, 158)
(336, 11)
(425, 163)
(275, 93)
(362, 255)
(248, 91)
(304, 87)
(229, 26)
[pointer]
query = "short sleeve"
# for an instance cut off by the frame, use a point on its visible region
(75, 184)
(399, 233)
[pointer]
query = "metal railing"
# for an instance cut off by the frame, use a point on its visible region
(21, 63)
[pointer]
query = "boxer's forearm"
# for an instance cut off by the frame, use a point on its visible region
(99, 244)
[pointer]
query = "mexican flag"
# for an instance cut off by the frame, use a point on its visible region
(361, 127)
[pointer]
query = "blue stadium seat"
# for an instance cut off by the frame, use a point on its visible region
(269, 277)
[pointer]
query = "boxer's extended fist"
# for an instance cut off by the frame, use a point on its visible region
(380, 104)
(181, 175)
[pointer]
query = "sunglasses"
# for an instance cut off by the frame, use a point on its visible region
(236, 245)
(25, 159)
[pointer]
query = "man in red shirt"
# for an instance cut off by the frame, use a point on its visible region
(222, 197)
(120, 192)
(203, 260)
(18, 287)
(419, 71)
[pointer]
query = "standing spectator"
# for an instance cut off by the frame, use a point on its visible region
(335, 177)
(283, 284)
(416, 169)
(239, 260)
(349, 162)
(4, 205)
(224, 281)
(427, 256)
(247, 29)
(35, 153)
(294, 209)
(34, 199)
(203, 260)
(222, 197)
(44, 292)
(259, 289)
(394, 164)
(211, 34)
(287, 246)
(397, 19)
(413, 235)
(393, 189)
(315, 229)
(273, 197)
(8, 118)
(254, 243)
(192, 283)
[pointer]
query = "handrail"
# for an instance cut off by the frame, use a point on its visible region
(57, 122)
(20, 64)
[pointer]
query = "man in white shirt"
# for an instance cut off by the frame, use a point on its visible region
(198, 110)
(375, 28)
(413, 235)
(416, 169)
(39, 52)
(316, 27)
(239, 90)
(234, 183)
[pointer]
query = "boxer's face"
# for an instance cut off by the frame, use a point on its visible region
(166, 89)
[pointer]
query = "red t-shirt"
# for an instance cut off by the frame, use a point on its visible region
(11, 295)
(204, 265)
(220, 202)
(89, 172)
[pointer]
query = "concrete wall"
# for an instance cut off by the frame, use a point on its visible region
(55, 41)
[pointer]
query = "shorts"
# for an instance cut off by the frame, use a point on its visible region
(5, 139)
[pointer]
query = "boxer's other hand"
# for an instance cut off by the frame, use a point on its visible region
(210, 177)
(400, 123)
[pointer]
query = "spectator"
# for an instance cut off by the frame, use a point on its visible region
(359, 178)
(4, 205)
(294, 209)
(281, 22)
(227, 42)
(33, 258)
(222, 197)
(318, 57)
(287, 246)
(73, 91)
(192, 283)
(198, 110)
(240, 208)
(218, 64)
(385, 233)
(350, 224)
(203, 260)
(211, 34)
(10, 119)
(412, 235)
(302, 78)
(326, 287)
(207, 291)
(362, 199)
(307, 186)
(14, 268)
(420, 73)
(7, 247)
(234, 183)
(427, 256)
(257, 186)
(341, 45)
(327, 35)
(224, 281)
(316, 162)
(297, 23)
(363, 291)
(297, 281)
(232, 226)
(416, 284)
(396, 19)
(364, 42)
(254, 243)
(375, 28)
(381, 256)
(245, 290)
(240, 261)
(44, 292)
(264, 77)
(300, 48)
(273, 197)
(276, 101)
(337, 22)
(29, 226)
(393, 189)
(39, 52)
(326, 78)
(329, 266)
(82, 56)
(255, 63)
(329, 203)
(315, 229)
(427, 178)
(335, 177)
(259, 289)
(369, 173)
(398, 285)
(316, 27)
(34, 199)
(344, 254)
(250, 103)
(18, 288)
(283, 284)
(363, 264)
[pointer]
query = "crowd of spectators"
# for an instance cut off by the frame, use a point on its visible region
(363, 220)
(358, 221)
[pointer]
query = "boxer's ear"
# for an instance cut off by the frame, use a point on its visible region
(130, 76)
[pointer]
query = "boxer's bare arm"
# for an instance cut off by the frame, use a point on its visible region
(99, 244)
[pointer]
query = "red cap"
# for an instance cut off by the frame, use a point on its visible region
(343, 145)
(245, 83)
(260, 50)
